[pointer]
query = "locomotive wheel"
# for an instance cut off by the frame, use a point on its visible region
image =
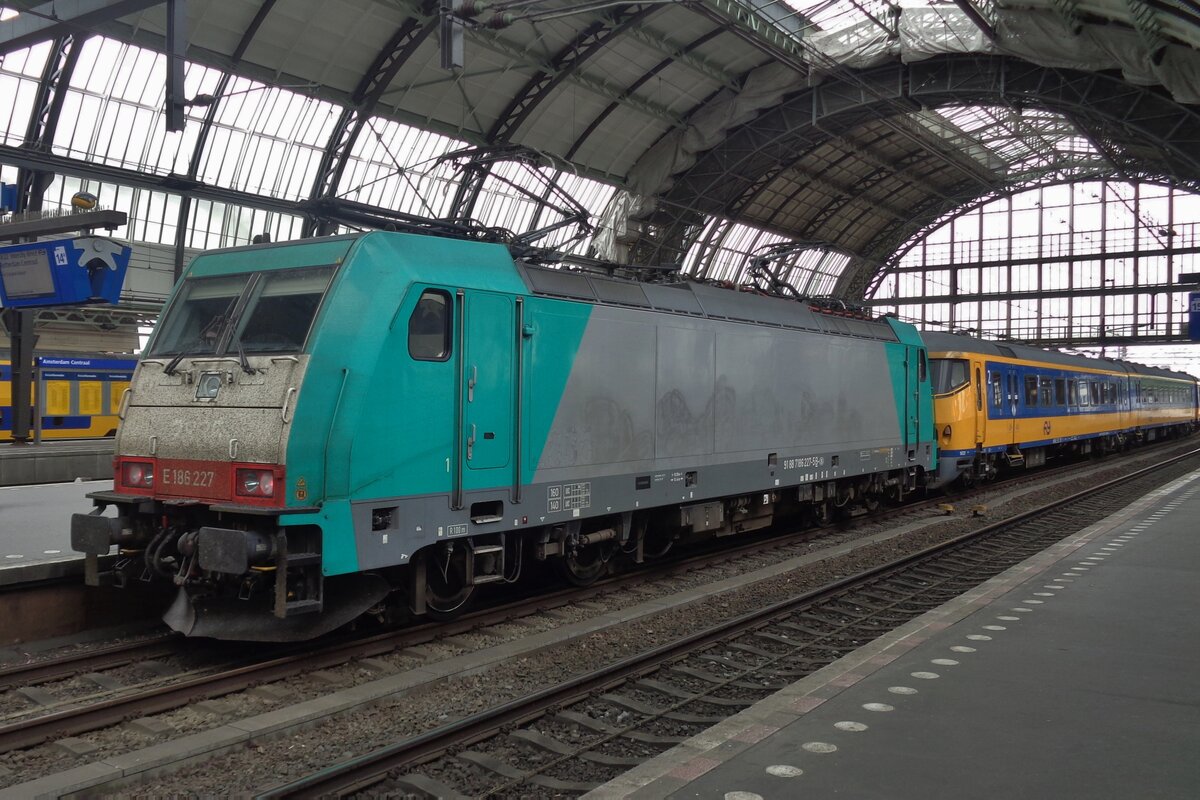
(583, 565)
(822, 513)
(447, 593)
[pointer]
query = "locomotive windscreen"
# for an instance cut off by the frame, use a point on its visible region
(195, 322)
(281, 310)
(255, 313)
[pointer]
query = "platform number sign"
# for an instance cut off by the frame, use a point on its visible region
(1194, 316)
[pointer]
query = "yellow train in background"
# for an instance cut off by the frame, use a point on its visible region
(78, 396)
(999, 405)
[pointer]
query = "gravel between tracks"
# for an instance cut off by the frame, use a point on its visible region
(363, 730)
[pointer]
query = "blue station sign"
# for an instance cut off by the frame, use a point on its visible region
(87, 269)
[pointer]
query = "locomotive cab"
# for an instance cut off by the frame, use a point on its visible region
(960, 408)
(201, 483)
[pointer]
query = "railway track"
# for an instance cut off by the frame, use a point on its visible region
(572, 737)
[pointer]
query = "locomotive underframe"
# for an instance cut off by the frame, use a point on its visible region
(587, 548)
(241, 574)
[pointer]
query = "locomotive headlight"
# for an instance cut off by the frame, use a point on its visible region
(137, 474)
(208, 386)
(946, 432)
(256, 483)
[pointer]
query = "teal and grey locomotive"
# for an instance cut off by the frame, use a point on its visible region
(384, 422)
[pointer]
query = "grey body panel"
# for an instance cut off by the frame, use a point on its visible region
(651, 392)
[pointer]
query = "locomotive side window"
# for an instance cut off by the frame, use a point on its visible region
(1046, 392)
(1073, 392)
(1060, 392)
(978, 390)
(997, 381)
(429, 327)
(1031, 390)
(948, 374)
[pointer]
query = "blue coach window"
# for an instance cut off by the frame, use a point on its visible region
(997, 381)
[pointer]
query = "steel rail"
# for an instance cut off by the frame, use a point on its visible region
(66, 666)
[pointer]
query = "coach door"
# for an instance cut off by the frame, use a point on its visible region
(488, 389)
(1014, 401)
(981, 392)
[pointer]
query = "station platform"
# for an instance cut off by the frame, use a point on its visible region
(55, 462)
(35, 534)
(1074, 674)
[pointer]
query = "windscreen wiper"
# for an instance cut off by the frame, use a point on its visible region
(209, 334)
(245, 362)
(169, 369)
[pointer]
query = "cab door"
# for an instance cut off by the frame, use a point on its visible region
(488, 388)
(913, 373)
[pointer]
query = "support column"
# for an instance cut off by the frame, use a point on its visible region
(21, 343)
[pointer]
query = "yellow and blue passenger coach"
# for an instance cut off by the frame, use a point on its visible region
(1003, 406)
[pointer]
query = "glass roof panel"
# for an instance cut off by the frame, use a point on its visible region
(20, 72)
(267, 140)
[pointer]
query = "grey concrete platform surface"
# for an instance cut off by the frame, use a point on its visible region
(55, 462)
(1074, 674)
(35, 529)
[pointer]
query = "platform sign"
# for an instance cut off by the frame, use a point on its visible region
(87, 269)
(1194, 316)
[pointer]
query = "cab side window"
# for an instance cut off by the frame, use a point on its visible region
(429, 327)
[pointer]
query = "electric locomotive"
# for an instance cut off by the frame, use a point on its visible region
(384, 422)
(1005, 405)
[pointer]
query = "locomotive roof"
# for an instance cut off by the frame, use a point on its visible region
(938, 342)
(700, 300)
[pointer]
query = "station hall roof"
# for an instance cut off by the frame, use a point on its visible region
(849, 125)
